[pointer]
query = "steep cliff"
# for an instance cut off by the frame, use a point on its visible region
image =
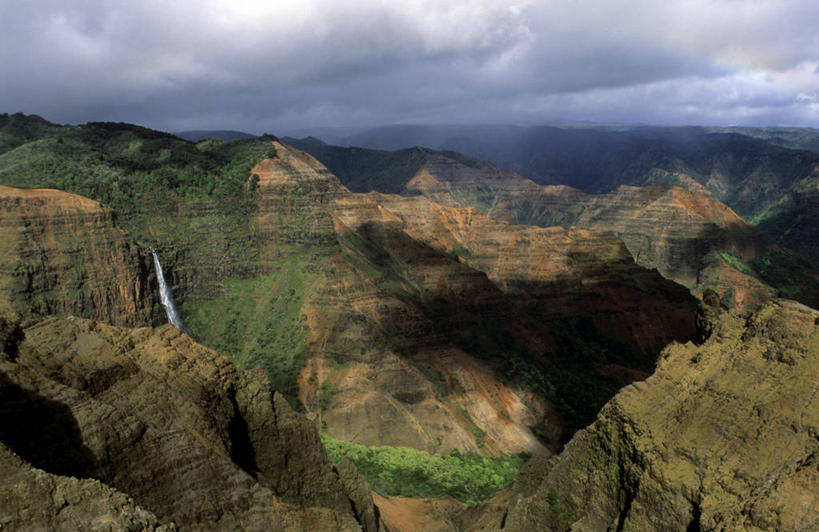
(684, 233)
(764, 174)
(722, 436)
(371, 362)
(65, 254)
(688, 237)
(391, 338)
(557, 273)
(172, 424)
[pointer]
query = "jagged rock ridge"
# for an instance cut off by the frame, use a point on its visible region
(723, 436)
(172, 424)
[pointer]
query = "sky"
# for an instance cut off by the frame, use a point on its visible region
(279, 65)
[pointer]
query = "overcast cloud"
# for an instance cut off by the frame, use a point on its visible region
(278, 65)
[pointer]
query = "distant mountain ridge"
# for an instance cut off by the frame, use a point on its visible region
(197, 135)
(765, 174)
(689, 237)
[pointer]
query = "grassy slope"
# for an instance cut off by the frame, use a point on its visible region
(259, 322)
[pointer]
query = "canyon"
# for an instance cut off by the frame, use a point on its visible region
(685, 233)
(631, 346)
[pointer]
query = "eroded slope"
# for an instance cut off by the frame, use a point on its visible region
(64, 254)
(723, 436)
(685, 233)
(170, 423)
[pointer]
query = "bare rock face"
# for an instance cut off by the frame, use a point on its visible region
(31, 499)
(404, 514)
(64, 254)
(722, 437)
(560, 272)
(683, 231)
(293, 189)
(378, 368)
(687, 235)
(172, 424)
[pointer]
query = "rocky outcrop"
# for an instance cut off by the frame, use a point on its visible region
(65, 254)
(723, 436)
(292, 190)
(32, 499)
(172, 424)
(688, 237)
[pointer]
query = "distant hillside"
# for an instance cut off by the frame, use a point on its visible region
(749, 174)
(363, 170)
(755, 171)
(802, 138)
(17, 129)
(197, 135)
(689, 237)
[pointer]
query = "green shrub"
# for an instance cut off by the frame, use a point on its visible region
(409, 472)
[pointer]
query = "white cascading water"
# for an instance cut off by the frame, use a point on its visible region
(165, 295)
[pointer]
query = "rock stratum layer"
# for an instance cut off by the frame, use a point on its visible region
(685, 233)
(377, 368)
(191, 440)
(64, 254)
(688, 237)
(723, 436)
(403, 335)
(384, 329)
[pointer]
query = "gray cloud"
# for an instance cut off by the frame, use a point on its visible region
(273, 66)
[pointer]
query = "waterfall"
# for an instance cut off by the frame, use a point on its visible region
(165, 295)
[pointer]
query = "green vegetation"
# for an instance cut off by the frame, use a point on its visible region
(189, 201)
(737, 263)
(559, 511)
(18, 129)
(259, 323)
(781, 268)
(124, 166)
(364, 170)
(411, 473)
(481, 197)
(794, 221)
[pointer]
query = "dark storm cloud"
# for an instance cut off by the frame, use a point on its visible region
(271, 66)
